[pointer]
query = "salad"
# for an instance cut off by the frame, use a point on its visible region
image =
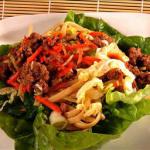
(80, 81)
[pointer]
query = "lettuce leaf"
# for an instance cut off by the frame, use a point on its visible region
(113, 97)
(25, 142)
(124, 42)
(93, 24)
(119, 117)
(4, 49)
(135, 41)
(15, 128)
(49, 138)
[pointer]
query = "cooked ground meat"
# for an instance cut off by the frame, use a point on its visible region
(28, 46)
(139, 65)
(144, 62)
(99, 42)
(35, 40)
(35, 73)
(134, 54)
(48, 44)
(134, 69)
(143, 79)
(113, 74)
(41, 87)
(102, 40)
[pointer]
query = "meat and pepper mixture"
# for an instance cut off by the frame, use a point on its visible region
(139, 64)
(40, 63)
(48, 66)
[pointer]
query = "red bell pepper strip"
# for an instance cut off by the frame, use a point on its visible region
(114, 56)
(15, 85)
(48, 103)
(80, 51)
(34, 55)
(66, 69)
(12, 80)
(13, 77)
(57, 48)
(89, 60)
(96, 33)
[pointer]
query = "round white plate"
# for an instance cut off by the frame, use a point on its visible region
(137, 136)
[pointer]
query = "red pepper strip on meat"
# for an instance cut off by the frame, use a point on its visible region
(58, 47)
(12, 80)
(66, 69)
(87, 41)
(96, 33)
(47, 103)
(34, 55)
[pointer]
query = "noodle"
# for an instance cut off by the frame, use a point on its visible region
(83, 125)
(59, 96)
(62, 28)
(77, 118)
(72, 113)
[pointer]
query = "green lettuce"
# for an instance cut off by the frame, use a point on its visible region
(113, 97)
(15, 128)
(119, 117)
(4, 49)
(124, 42)
(48, 137)
(135, 41)
(93, 24)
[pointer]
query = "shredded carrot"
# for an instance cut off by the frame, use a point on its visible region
(13, 78)
(66, 69)
(96, 33)
(42, 59)
(34, 55)
(48, 103)
(15, 85)
(114, 56)
(80, 51)
(89, 60)
(58, 47)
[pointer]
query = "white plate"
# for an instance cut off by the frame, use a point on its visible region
(137, 136)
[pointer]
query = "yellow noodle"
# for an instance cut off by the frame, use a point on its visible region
(72, 113)
(75, 119)
(83, 125)
(59, 96)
